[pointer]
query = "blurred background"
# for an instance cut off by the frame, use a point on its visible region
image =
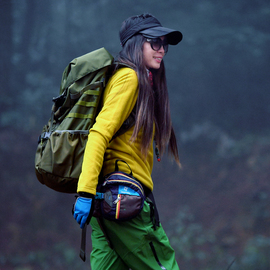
(216, 209)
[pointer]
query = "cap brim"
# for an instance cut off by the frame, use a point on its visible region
(173, 36)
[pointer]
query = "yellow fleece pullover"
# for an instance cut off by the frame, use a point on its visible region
(119, 98)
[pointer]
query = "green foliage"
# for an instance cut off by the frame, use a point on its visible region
(256, 254)
(61, 256)
(195, 247)
(198, 248)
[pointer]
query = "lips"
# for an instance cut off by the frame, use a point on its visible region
(158, 59)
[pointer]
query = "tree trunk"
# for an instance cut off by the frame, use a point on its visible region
(5, 51)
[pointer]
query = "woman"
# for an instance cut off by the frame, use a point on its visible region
(138, 84)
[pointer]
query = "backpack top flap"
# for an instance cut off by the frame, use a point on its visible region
(83, 65)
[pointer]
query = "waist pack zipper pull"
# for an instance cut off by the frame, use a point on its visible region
(117, 200)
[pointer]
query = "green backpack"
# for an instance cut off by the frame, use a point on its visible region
(62, 142)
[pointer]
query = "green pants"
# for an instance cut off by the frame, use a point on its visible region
(136, 245)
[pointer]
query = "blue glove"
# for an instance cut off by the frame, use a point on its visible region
(82, 209)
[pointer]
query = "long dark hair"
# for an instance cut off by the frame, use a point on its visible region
(153, 102)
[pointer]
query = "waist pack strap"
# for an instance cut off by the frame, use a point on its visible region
(83, 243)
(154, 215)
(101, 225)
(83, 238)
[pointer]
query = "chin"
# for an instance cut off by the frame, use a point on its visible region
(155, 67)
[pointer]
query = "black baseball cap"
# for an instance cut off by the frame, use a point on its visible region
(150, 27)
(173, 36)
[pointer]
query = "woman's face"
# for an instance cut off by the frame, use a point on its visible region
(152, 58)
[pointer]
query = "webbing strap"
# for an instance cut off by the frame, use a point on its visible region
(156, 222)
(101, 225)
(89, 90)
(86, 104)
(79, 131)
(80, 115)
(83, 243)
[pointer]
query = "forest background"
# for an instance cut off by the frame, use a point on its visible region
(216, 209)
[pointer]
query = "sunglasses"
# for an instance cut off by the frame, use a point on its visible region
(157, 43)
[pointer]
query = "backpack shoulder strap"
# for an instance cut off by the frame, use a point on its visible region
(129, 122)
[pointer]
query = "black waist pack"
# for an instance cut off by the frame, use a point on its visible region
(120, 197)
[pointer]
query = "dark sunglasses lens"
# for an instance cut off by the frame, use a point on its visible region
(157, 43)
